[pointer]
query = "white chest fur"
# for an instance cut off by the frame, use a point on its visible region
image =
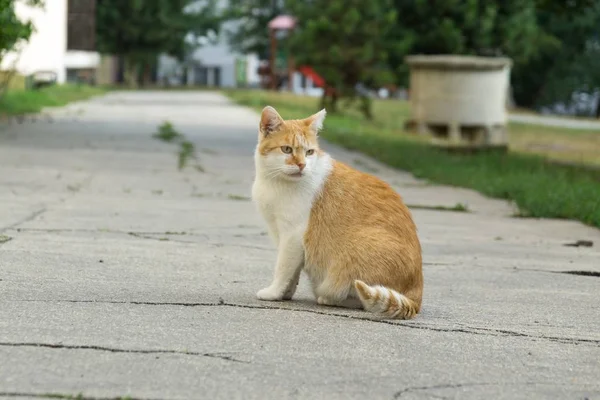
(286, 205)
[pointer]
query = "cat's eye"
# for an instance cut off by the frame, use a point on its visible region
(286, 149)
(310, 152)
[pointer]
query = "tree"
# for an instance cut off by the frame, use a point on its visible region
(253, 16)
(474, 27)
(345, 42)
(140, 30)
(13, 33)
(551, 42)
(569, 63)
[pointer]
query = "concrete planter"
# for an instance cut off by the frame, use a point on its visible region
(460, 100)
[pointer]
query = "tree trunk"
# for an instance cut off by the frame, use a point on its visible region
(333, 103)
(323, 101)
(598, 108)
(131, 73)
(365, 107)
(146, 79)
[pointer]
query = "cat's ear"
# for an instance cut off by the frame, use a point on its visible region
(315, 121)
(270, 121)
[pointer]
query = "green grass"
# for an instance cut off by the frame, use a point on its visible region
(20, 102)
(539, 187)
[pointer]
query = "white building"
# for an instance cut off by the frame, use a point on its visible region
(48, 48)
(214, 63)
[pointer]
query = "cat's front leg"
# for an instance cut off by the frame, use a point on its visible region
(289, 293)
(290, 259)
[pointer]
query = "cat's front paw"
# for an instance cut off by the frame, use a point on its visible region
(270, 294)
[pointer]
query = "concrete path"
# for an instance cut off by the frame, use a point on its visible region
(556, 121)
(122, 276)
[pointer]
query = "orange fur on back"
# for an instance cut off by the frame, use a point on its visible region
(360, 232)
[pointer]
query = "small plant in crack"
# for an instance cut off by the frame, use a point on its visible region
(187, 151)
(238, 197)
(63, 396)
(459, 207)
(74, 188)
(4, 239)
(167, 133)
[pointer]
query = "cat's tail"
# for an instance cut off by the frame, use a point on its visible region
(386, 302)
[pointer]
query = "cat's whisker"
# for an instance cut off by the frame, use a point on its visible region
(273, 173)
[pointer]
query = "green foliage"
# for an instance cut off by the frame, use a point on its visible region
(553, 44)
(140, 27)
(12, 29)
(167, 133)
(568, 63)
(474, 27)
(253, 16)
(139, 30)
(13, 32)
(345, 42)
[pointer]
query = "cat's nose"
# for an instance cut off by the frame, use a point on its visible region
(301, 166)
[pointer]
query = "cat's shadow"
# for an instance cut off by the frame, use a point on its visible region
(311, 303)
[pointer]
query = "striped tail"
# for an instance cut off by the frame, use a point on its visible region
(386, 302)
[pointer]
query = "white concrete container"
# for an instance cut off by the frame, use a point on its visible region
(460, 99)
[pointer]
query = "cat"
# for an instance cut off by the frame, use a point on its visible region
(349, 231)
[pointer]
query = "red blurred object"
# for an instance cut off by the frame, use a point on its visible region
(310, 73)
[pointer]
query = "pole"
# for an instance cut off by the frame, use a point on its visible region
(273, 82)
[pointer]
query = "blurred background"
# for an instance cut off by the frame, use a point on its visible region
(352, 46)
(399, 78)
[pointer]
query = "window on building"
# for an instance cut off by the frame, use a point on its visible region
(81, 25)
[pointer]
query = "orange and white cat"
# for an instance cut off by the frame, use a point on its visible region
(349, 231)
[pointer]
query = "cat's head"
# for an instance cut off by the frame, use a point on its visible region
(288, 149)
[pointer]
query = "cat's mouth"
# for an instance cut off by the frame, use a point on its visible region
(297, 175)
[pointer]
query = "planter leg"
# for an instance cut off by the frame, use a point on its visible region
(454, 133)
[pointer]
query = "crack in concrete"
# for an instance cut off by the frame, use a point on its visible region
(28, 218)
(160, 236)
(118, 350)
(163, 238)
(245, 246)
(399, 394)
(402, 324)
(412, 389)
(44, 209)
(100, 230)
(594, 274)
(68, 396)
